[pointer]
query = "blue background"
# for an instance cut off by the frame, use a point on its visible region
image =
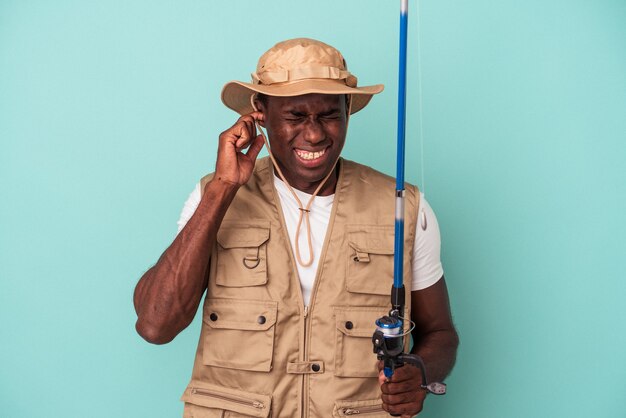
(110, 112)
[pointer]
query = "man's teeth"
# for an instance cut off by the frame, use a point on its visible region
(306, 155)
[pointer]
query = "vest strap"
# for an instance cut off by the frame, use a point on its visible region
(305, 367)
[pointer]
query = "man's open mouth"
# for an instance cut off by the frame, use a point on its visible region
(310, 155)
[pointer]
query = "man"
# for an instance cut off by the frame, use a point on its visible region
(295, 253)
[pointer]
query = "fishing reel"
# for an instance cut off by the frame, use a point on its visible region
(388, 340)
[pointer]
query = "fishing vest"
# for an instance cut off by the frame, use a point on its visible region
(262, 353)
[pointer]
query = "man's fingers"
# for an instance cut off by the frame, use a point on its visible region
(255, 148)
(399, 387)
(399, 398)
(404, 410)
(245, 133)
(233, 164)
(251, 119)
(409, 403)
(405, 372)
(257, 116)
(245, 130)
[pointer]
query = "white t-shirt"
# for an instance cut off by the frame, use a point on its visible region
(427, 269)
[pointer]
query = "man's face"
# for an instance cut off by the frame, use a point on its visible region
(306, 134)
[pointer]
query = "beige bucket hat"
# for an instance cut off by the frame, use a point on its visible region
(295, 67)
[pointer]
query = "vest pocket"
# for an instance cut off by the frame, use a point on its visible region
(242, 254)
(204, 400)
(370, 259)
(354, 355)
(372, 408)
(239, 334)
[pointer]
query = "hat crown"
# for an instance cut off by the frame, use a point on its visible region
(301, 58)
(297, 67)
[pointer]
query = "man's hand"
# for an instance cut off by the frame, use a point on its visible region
(402, 394)
(233, 166)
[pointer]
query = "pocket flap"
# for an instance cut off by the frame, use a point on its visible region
(369, 264)
(372, 239)
(243, 235)
(249, 315)
(358, 321)
(219, 397)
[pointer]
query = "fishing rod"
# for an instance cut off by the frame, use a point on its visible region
(388, 339)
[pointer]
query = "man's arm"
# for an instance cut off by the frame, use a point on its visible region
(435, 341)
(434, 336)
(167, 296)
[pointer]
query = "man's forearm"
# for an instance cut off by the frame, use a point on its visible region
(167, 296)
(438, 351)
(435, 338)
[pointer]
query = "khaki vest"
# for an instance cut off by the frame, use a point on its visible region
(261, 353)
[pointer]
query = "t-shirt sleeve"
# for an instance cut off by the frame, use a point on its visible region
(427, 268)
(189, 208)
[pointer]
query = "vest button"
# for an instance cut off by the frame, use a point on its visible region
(315, 367)
(349, 325)
(213, 317)
(261, 320)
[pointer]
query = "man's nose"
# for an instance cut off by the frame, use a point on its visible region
(313, 131)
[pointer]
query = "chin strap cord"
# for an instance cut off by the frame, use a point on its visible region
(305, 211)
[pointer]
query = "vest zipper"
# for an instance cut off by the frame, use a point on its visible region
(361, 410)
(305, 398)
(228, 397)
(304, 356)
(270, 190)
(316, 285)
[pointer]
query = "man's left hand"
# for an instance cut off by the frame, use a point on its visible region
(402, 394)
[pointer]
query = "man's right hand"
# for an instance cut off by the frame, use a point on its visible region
(233, 166)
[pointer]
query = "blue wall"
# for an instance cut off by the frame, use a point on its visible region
(109, 114)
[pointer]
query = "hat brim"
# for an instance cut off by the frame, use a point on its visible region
(237, 95)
